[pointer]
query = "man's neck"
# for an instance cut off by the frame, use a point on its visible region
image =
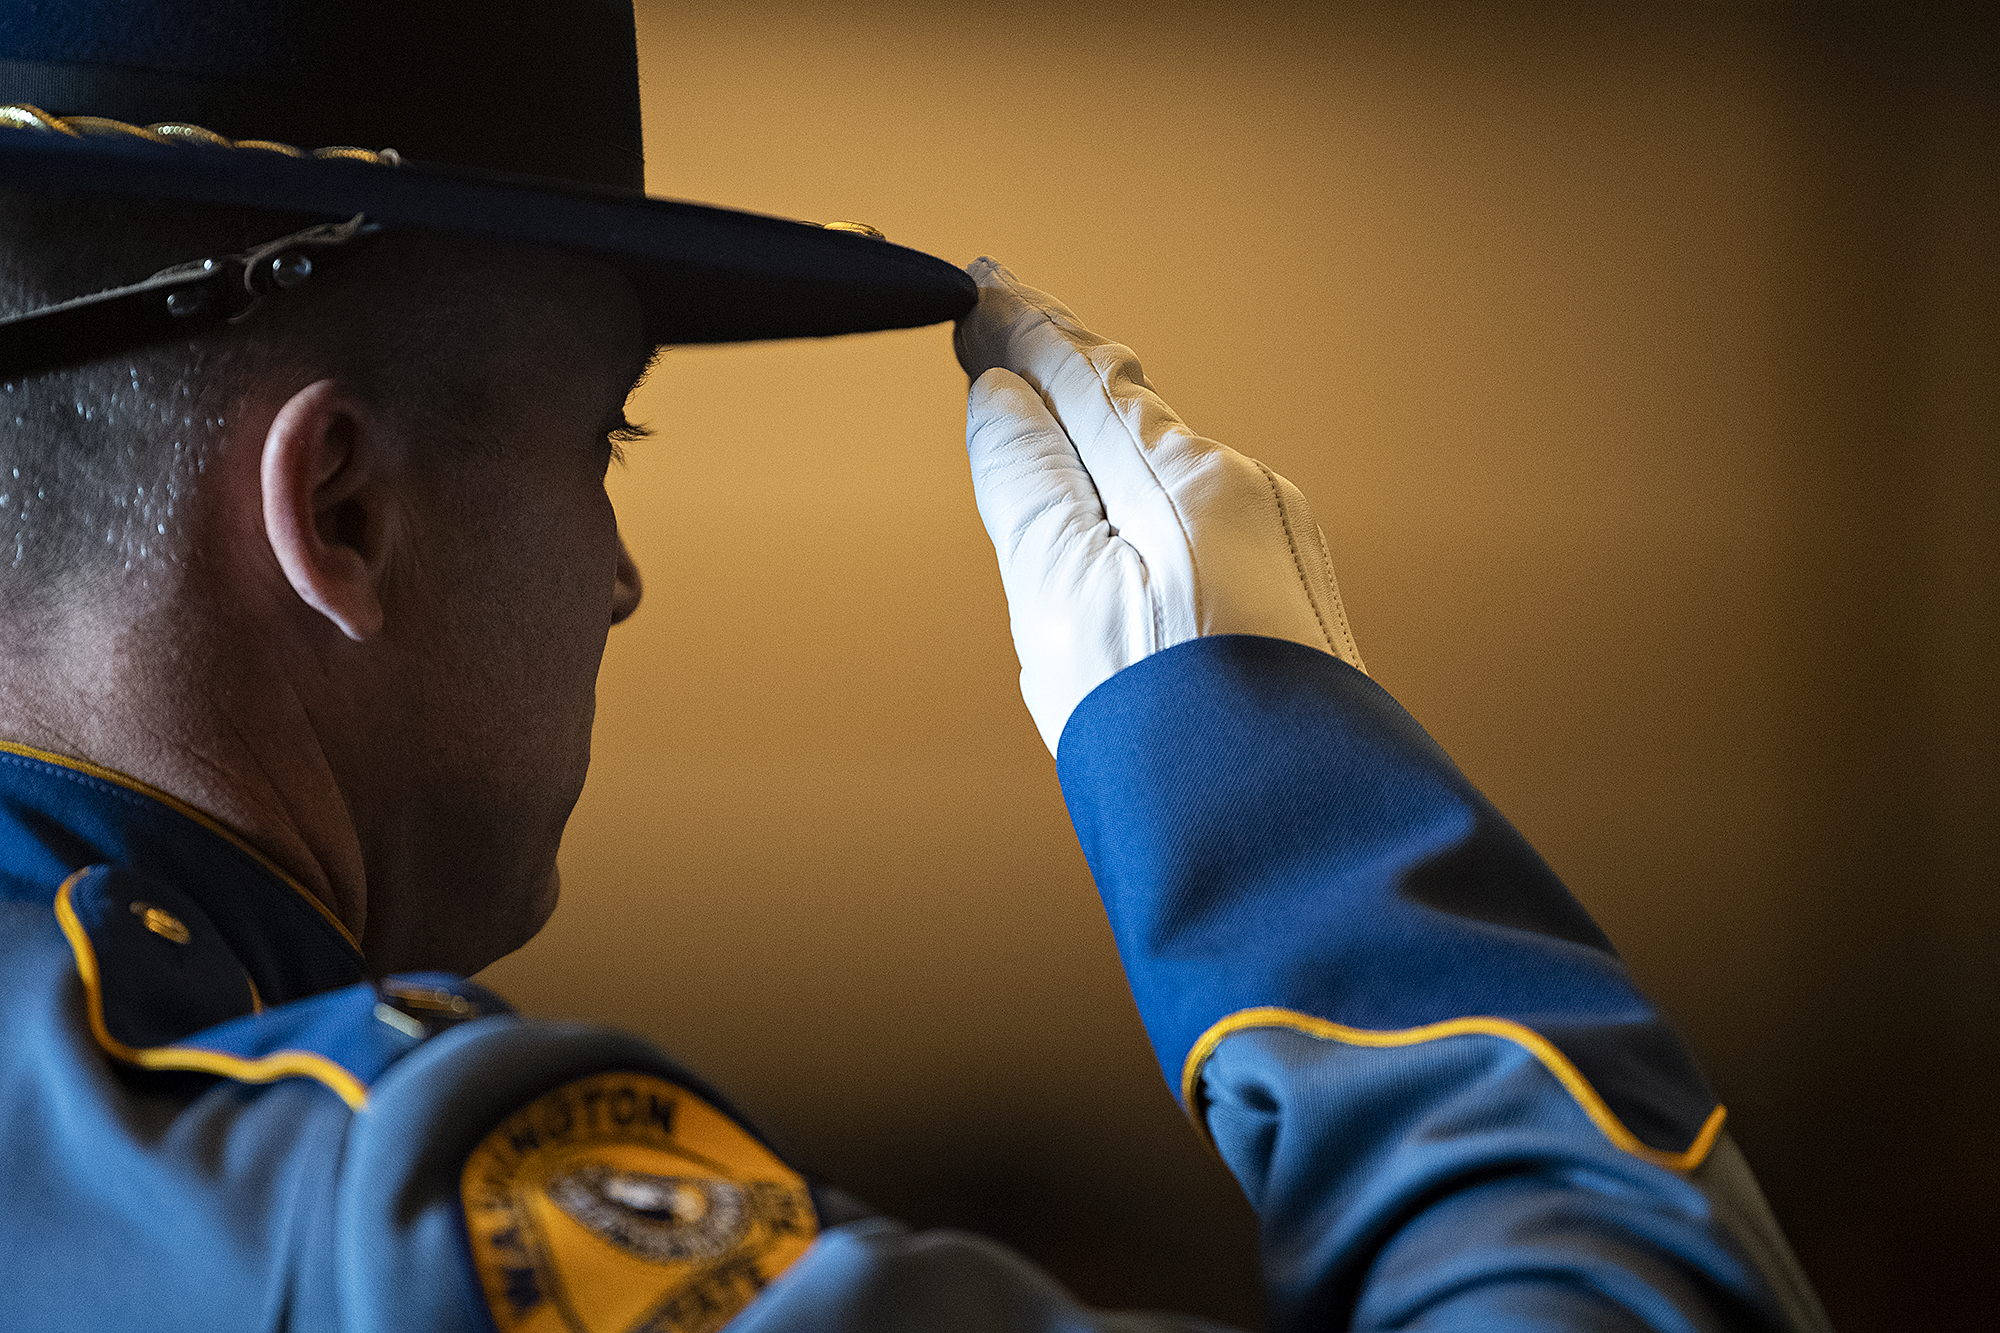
(209, 728)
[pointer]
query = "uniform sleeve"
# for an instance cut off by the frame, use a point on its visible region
(1422, 1060)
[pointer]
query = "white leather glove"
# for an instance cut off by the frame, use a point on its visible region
(1120, 531)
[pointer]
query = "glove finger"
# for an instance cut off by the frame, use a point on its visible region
(1227, 545)
(1026, 477)
(1077, 593)
(984, 338)
(1138, 453)
(1128, 437)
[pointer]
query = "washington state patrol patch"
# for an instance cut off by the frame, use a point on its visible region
(621, 1203)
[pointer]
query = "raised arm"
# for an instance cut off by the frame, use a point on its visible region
(1424, 1063)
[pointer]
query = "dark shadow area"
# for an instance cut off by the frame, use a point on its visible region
(1158, 1225)
(1881, 1161)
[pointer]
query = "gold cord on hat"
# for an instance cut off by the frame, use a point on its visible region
(27, 116)
(858, 228)
(24, 116)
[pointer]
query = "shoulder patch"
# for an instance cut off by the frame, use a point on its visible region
(624, 1202)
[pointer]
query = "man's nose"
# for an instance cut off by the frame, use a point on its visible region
(625, 588)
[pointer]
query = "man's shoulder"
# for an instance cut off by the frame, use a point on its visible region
(138, 976)
(353, 1145)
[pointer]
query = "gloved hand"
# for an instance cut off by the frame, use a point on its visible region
(1120, 531)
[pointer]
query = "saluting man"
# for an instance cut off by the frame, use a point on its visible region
(318, 326)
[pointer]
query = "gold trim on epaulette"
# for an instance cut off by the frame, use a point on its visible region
(244, 1069)
(622, 1202)
(1551, 1057)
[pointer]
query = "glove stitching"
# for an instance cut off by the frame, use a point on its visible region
(1297, 564)
(1353, 654)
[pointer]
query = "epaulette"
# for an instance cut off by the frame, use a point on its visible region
(612, 1198)
(162, 990)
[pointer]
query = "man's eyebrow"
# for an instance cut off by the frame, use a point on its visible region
(638, 377)
(619, 428)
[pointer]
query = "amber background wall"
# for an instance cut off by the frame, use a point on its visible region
(1640, 364)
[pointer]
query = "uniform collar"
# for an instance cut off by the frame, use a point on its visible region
(59, 815)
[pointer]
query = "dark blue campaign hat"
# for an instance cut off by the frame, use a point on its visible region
(512, 119)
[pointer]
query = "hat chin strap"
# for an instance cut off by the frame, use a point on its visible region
(176, 301)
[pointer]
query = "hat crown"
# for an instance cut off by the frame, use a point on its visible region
(518, 86)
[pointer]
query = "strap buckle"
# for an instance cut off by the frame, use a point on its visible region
(179, 300)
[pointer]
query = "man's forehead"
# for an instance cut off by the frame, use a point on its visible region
(570, 286)
(575, 311)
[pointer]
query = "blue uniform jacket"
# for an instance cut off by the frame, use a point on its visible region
(1426, 1066)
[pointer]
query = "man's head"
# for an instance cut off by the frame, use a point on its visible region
(341, 574)
(353, 557)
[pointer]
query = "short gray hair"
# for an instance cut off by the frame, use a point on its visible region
(101, 462)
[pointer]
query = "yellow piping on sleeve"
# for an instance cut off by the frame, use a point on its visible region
(199, 816)
(1544, 1050)
(263, 1069)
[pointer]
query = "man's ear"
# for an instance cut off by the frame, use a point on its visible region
(328, 508)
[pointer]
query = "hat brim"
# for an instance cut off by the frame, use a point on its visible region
(705, 274)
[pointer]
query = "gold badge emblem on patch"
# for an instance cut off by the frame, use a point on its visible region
(623, 1202)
